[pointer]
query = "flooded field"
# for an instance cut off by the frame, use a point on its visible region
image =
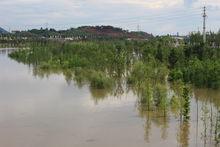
(50, 111)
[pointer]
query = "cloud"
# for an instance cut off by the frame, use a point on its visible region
(61, 14)
(208, 3)
(151, 4)
(33, 12)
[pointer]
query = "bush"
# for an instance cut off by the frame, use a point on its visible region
(175, 75)
(100, 80)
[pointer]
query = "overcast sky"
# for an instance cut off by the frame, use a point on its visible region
(153, 16)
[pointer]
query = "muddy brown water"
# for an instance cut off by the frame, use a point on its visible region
(50, 112)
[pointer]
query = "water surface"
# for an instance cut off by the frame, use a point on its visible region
(48, 111)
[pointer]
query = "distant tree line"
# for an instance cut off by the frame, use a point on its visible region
(80, 33)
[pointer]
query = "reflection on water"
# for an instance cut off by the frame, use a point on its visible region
(212, 96)
(183, 134)
(49, 108)
(5, 51)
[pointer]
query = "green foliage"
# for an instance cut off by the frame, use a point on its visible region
(173, 58)
(148, 61)
(99, 80)
(160, 96)
(138, 73)
(186, 104)
(175, 103)
(175, 75)
(204, 73)
(146, 97)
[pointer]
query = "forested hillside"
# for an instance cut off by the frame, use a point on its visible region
(85, 33)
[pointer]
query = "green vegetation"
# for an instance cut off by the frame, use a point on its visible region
(144, 66)
(186, 104)
(95, 62)
(100, 80)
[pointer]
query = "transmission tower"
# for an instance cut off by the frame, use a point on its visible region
(138, 27)
(204, 24)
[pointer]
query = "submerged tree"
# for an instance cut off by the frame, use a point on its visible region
(146, 97)
(160, 98)
(186, 104)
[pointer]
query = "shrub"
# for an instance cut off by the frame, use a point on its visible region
(100, 80)
(175, 75)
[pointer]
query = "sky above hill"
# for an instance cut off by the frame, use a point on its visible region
(153, 16)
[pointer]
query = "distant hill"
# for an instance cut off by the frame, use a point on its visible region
(2, 31)
(110, 31)
(86, 32)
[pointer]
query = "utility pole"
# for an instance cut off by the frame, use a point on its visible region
(204, 24)
(138, 28)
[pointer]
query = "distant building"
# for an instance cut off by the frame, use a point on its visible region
(15, 31)
(178, 39)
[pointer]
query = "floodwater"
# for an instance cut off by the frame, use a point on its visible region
(48, 111)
